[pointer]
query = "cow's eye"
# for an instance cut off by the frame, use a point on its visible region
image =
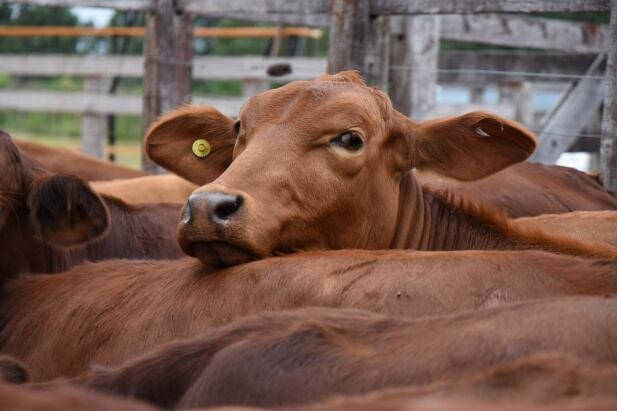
(349, 141)
(237, 126)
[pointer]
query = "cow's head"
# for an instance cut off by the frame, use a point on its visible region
(39, 210)
(316, 164)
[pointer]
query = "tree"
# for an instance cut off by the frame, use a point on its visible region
(15, 15)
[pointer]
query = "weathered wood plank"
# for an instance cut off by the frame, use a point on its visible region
(571, 115)
(377, 58)
(113, 4)
(94, 126)
(413, 85)
(396, 7)
(608, 144)
(94, 103)
(497, 29)
(349, 33)
(522, 31)
(218, 32)
(100, 104)
(465, 65)
(402, 7)
(167, 65)
(481, 68)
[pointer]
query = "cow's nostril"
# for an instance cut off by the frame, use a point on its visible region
(227, 207)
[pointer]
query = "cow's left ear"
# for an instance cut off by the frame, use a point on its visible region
(467, 147)
(195, 142)
(65, 211)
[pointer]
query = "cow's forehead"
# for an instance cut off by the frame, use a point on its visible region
(317, 96)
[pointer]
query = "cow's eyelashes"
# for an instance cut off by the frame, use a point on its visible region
(237, 126)
(349, 141)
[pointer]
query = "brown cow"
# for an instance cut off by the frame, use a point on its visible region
(528, 189)
(597, 226)
(63, 161)
(547, 381)
(148, 189)
(40, 213)
(325, 164)
(63, 397)
(551, 381)
(302, 356)
(111, 311)
(542, 382)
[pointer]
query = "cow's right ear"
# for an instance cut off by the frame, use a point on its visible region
(195, 142)
(65, 211)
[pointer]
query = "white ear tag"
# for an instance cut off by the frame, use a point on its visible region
(481, 132)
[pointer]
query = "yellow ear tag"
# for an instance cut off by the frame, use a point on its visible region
(201, 148)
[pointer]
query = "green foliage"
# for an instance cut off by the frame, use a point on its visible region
(37, 16)
(126, 45)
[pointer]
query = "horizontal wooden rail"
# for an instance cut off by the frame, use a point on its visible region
(306, 7)
(93, 103)
(467, 67)
(220, 32)
(100, 104)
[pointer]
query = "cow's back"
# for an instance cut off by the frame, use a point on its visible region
(529, 189)
(63, 161)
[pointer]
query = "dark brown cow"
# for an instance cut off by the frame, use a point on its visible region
(63, 397)
(63, 161)
(302, 356)
(326, 164)
(109, 312)
(529, 189)
(542, 382)
(535, 382)
(40, 213)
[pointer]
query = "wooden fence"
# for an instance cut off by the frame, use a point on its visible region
(360, 33)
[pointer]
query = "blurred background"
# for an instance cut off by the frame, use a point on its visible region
(82, 79)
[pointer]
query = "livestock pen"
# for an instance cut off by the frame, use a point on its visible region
(561, 71)
(330, 205)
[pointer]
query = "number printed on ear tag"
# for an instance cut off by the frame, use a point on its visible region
(201, 148)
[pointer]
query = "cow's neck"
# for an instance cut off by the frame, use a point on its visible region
(138, 231)
(428, 222)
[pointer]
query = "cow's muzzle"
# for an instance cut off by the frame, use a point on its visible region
(209, 229)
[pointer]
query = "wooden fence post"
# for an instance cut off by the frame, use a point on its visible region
(377, 58)
(253, 87)
(349, 31)
(520, 95)
(359, 41)
(168, 63)
(94, 126)
(570, 116)
(608, 145)
(413, 73)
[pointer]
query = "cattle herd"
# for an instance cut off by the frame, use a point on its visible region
(319, 252)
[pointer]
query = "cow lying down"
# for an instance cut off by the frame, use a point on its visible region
(327, 164)
(302, 356)
(538, 382)
(109, 312)
(528, 189)
(63, 397)
(41, 214)
(63, 161)
(591, 226)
